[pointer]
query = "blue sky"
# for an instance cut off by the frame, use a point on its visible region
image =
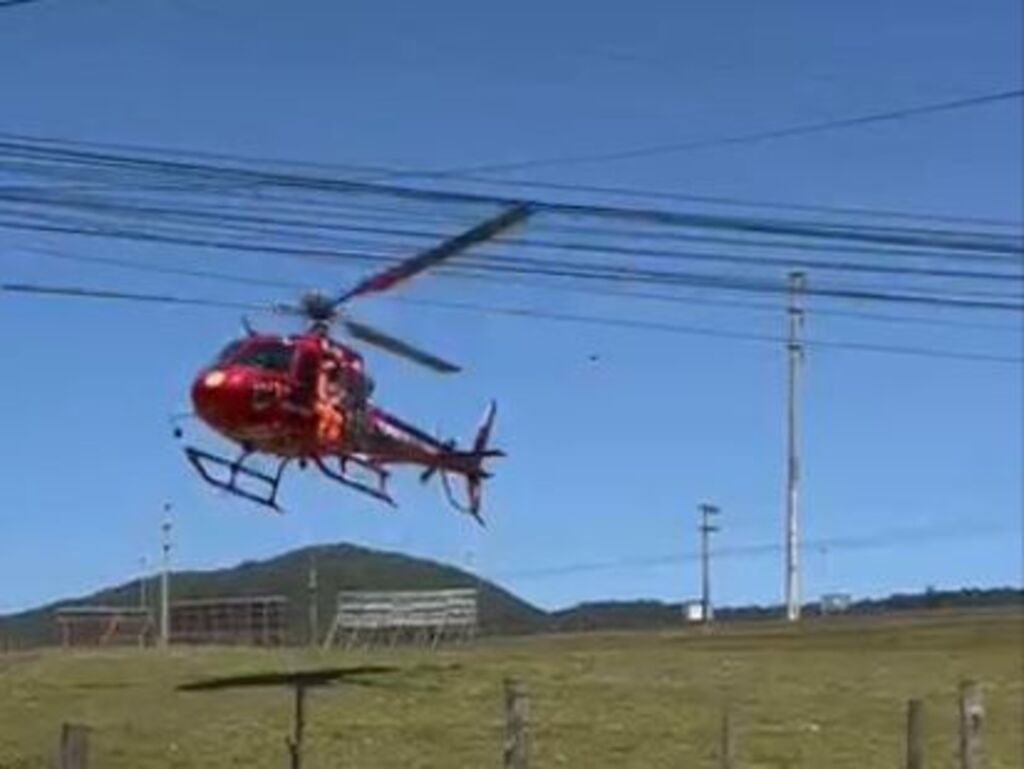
(609, 459)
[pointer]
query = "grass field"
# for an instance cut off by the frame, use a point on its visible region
(830, 694)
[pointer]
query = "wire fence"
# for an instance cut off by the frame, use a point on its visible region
(723, 746)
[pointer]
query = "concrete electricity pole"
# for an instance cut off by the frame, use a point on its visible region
(165, 578)
(706, 530)
(797, 281)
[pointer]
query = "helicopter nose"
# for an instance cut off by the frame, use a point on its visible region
(219, 397)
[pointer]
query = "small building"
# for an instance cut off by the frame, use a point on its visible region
(836, 603)
(693, 611)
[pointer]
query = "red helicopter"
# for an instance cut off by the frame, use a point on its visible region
(306, 399)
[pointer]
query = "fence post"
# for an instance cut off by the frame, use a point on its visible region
(727, 748)
(972, 718)
(517, 710)
(295, 741)
(74, 746)
(915, 734)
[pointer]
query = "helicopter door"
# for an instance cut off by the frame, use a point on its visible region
(305, 375)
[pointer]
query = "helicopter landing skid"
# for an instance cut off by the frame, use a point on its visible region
(204, 462)
(342, 477)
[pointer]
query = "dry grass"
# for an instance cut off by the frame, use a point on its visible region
(831, 694)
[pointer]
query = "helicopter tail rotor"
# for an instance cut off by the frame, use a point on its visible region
(474, 472)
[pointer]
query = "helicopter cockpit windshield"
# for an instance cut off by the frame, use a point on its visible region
(269, 355)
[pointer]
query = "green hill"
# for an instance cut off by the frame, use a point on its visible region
(348, 567)
(339, 567)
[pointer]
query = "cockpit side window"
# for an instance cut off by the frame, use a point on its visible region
(228, 352)
(270, 356)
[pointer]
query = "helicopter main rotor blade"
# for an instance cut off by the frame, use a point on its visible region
(128, 296)
(411, 267)
(378, 338)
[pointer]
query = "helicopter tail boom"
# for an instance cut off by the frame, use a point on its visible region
(444, 459)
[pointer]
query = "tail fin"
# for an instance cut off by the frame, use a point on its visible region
(474, 481)
(483, 432)
(475, 474)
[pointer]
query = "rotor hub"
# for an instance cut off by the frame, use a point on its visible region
(319, 307)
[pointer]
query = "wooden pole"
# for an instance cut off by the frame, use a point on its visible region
(313, 587)
(517, 710)
(295, 743)
(727, 749)
(915, 734)
(972, 718)
(74, 746)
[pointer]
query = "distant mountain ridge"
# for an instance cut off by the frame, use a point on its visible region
(339, 567)
(350, 567)
(622, 615)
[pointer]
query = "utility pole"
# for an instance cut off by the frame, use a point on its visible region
(706, 530)
(797, 281)
(165, 578)
(314, 600)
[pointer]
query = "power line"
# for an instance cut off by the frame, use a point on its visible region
(746, 305)
(896, 537)
(832, 230)
(555, 268)
(188, 222)
(720, 200)
(550, 268)
(624, 323)
(260, 224)
(760, 261)
(127, 264)
(674, 328)
(773, 308)
(392, 172)
(803, 129)
(126, 296)
(824, 230)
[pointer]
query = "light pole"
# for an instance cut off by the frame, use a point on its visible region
(165, 577)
